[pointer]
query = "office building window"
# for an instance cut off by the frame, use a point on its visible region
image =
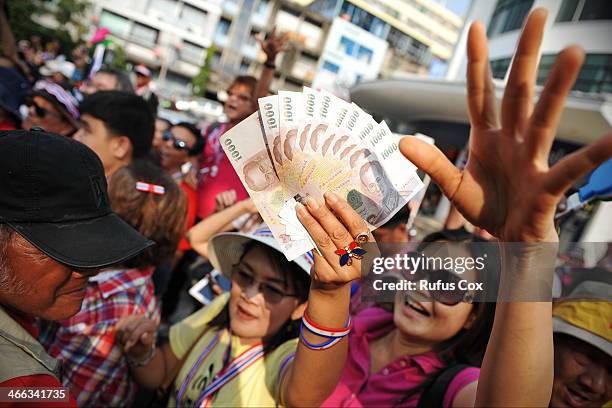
(567, 10)
(143, 34)
(327, 8)
(263, 7)
(409, 47)
(192, 53)
(223, 27)
(595, 75)
(348, 46)
(576, 10)
(365, 20)
(244, 66)
(546, 63)
(352, 49)
(115, 23)
(252, 40)
(193, 17)
(365, 54)
(164, 7)
(331, 67)
(499, 67)
(508, 15)
(216, 59)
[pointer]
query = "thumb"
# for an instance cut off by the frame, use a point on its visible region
(433, 162)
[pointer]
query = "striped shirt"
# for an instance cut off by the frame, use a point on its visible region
(94, 367)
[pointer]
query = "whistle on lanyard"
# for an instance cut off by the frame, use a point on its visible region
(598, 187)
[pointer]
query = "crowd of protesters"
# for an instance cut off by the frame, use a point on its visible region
(108, 213)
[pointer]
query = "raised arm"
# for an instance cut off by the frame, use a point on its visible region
(199, 235)
(153, 366)
(315, 373)
(508, 189)
(271, 46)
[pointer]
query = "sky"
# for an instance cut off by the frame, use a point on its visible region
(459, 7)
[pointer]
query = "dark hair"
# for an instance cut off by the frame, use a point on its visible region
(247, 80)
(160, 218)
(400, 217)
(166, 121)
(294, 278)
(124, 114)
(197, 133)
(468, 345)
(123, 80)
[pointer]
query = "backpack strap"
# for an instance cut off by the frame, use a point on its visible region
(433, 394)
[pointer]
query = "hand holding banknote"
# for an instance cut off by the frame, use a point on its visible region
(301, 145)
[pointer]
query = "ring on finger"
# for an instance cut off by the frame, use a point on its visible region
(362, 237)
(350, 252)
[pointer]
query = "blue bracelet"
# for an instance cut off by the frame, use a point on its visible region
(321, 346)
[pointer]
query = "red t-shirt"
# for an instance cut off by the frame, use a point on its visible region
(192, 205)
(8, 125)
(216, 173)
(38, 380)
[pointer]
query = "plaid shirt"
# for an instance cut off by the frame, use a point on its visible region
(94, 367)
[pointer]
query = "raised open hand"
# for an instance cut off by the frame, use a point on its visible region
(273, 45)
(225, 199)
(507, 186)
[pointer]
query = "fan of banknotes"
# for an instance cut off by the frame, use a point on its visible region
(301, 144)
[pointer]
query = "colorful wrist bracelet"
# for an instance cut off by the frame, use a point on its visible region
(321, 346)
(326, 331)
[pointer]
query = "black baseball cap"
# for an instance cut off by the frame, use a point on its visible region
(53, 192)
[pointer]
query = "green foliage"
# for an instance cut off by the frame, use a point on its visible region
(200, 81)
(69, 15)
(115, 55)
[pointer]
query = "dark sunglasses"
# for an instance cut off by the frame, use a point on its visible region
(176, 143)
(450, 297)
(244, 278)
(38, 110)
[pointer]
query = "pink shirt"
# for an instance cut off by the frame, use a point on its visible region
(359, 388)
(216, 173)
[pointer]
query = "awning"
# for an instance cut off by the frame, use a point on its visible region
(586, 116)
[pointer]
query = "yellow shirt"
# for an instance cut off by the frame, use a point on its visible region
(256, 386)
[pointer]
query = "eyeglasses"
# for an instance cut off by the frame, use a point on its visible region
(178, 144)
(245, 279)
(450, 297)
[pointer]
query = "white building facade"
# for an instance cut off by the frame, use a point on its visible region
(170, 36)
(350, 55)
(583, 22)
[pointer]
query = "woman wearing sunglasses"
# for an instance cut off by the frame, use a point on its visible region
(182, 143)
(243, 349)
(52, 108)
(396, 357)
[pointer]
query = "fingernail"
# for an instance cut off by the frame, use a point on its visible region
(331, 198)
(301, 210)
(312, 203)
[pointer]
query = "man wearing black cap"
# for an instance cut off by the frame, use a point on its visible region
(56, 230)
(118, 126)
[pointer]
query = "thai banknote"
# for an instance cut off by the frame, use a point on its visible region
(245, 147)
(290, 106)
(270, 120)
(308, 143)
